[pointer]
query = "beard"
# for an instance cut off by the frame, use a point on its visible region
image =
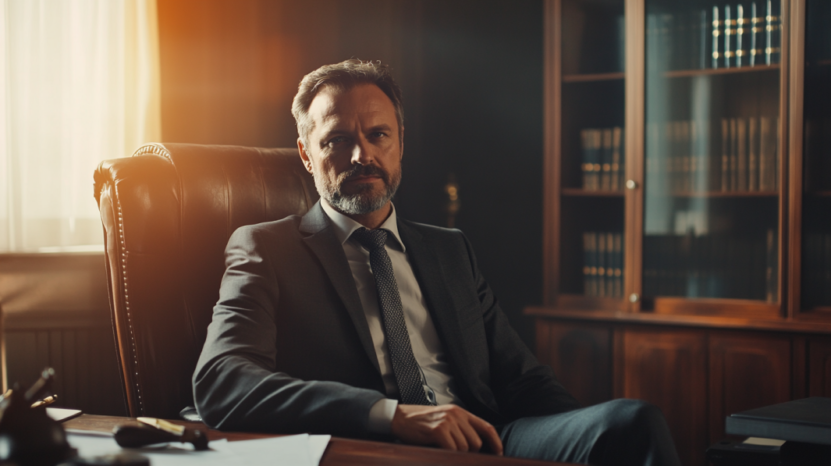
(364, 200)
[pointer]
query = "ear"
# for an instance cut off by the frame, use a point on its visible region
(307, 162)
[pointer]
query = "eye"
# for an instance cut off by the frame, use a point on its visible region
(379, 134)
(336, 141)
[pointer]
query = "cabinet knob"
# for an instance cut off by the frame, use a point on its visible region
(634, 297)
(631, 184)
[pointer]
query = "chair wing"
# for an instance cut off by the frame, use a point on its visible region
(168, 212)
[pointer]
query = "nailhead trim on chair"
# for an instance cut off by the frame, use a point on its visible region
(147, 149)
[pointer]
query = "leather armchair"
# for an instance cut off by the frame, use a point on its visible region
(168, 212)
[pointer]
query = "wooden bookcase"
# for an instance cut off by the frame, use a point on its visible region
(722, 301)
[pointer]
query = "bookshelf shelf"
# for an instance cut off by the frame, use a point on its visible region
(720, 71)
(578, 192)
(821, 193)
(733, 194)
(582, 78)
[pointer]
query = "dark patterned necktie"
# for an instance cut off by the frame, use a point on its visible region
(404, 365)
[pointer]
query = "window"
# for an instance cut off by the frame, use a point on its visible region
(80, 84)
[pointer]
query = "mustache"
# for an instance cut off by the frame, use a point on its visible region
(364, 170)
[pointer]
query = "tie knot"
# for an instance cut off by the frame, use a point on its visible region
(371, 239)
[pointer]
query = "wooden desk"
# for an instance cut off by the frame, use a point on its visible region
(340, 452)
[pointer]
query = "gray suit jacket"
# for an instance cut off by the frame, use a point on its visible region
(289, 348)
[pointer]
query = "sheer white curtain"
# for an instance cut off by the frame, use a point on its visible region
(79, 83)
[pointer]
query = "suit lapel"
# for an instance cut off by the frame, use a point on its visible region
(428, 270)
(324, 244)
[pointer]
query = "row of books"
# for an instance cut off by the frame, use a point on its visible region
(711, 266)
(817, 269)
(724, 36)
(693, 157)
(603, 264)
(603, 164)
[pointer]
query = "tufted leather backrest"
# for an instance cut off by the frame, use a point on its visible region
(168, 212)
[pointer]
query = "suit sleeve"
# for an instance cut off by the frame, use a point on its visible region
(522, 386)
(235, 383)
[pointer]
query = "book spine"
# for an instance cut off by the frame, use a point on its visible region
(742, 31)
(757, 27)
(586, 264)
(686, 156)
(752, 155)
(741, 156)
(606, 161)
(585, 144)
(729, 37)
(764, 148)
(601, 264)
(615, 181)
(702, 30)
(716, 26)
(725, 154)
(598, 159)
(619, 264)
(775, 151)
(772, 34)
(593, 264)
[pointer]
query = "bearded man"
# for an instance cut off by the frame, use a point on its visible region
(352, 321)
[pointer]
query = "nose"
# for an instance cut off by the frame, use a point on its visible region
(362, 153)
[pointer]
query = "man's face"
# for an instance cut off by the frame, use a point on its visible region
(354, 149)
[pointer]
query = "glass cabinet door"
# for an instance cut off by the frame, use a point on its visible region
(816, 213)
(592, 155)
(711, 216)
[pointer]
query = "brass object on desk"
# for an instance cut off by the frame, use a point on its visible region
(28, 436)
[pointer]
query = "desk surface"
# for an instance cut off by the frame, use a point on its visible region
(341, 451)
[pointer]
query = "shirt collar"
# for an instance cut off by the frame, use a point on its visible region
(345, 226)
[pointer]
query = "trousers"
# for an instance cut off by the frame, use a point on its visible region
(620, 432)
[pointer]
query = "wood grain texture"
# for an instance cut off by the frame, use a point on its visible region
(795, 157)
(815, 325)
(819, 367)
(746, 371)
(669, 370)
(635, 124)
(552, 16)
(572, 349)
(340, 452)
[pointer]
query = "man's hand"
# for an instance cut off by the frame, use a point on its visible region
(447, 426)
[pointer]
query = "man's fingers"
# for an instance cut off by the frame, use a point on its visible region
(488, 432)
(474, 441)
(445, 440)
(458, 438)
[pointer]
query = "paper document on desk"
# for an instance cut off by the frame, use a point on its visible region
(300, 450)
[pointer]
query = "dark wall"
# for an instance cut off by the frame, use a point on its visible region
(471, 71)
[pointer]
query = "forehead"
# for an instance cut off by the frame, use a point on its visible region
(364, 103)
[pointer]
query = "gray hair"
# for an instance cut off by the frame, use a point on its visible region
(343, 76)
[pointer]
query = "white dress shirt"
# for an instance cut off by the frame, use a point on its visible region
(427, 347)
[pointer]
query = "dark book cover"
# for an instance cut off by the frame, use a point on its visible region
(807, 420)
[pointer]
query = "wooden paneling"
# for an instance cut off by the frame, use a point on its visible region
(746, 372)
(84, 362)
(230, 68)
(668, 368)
(819, 367)
(580, 356)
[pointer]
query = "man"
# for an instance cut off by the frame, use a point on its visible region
(352, 321)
